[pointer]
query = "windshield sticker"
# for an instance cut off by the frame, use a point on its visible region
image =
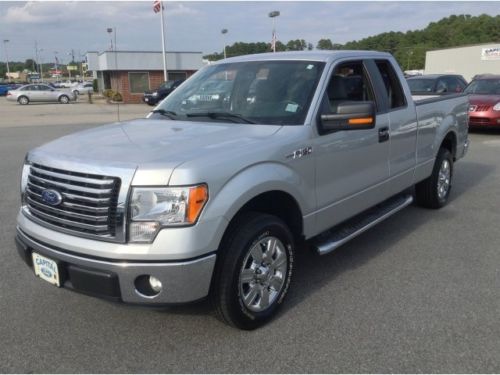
(310, 66)
(290, 107)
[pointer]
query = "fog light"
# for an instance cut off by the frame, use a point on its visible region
(155, 284)
(147, 286)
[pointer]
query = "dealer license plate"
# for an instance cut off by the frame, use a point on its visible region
(46, 269)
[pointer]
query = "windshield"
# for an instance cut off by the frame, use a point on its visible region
(263, 92)
(167, 85)
(484, 87)
(421, 84)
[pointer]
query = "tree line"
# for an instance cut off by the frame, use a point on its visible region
(409, 48)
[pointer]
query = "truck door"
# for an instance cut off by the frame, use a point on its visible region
(351, 165)
(402, 125)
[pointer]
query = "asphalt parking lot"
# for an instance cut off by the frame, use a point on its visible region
(418, 293)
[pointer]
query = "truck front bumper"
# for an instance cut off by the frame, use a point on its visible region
(182, 280)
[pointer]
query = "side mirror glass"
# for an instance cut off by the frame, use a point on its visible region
(350, 116)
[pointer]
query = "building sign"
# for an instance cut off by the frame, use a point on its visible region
(72, 67)
(492, 53)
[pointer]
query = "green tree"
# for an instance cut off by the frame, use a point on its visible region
(325, 44)
(296, 45)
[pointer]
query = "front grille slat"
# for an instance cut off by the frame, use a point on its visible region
(73, 179)
(70, 214)
(89, 201)
(45, 183)
(76, 224)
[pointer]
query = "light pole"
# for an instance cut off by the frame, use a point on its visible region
(224, 32)
(5, 41)
(110, 30)
(41, 63)
(273, 15)
(410, 52)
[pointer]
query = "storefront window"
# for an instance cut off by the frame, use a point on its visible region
(138, 82)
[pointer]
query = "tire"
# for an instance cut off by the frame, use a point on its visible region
(76, 92)
(23, 100)
(253, 271)
(434, 191)
(64, 99)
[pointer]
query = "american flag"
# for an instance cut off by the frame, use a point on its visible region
(273, 41)
(156, 6)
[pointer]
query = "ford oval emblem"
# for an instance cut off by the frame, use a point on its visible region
(51, 197)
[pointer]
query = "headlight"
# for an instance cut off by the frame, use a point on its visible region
(155, 94)
(24, 180)
(496, 107)
(154, 208)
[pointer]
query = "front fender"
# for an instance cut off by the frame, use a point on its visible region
(255, 180)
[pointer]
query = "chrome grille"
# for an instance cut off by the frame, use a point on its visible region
(481, 108)
(88, 204)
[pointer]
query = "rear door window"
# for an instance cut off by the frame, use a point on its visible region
(394, 91)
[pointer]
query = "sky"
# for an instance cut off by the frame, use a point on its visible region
(61, 26)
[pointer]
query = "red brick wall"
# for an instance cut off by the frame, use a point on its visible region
(120, 80)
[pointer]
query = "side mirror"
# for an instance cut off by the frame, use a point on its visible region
(350, 116)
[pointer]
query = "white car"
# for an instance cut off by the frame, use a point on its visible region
(83, 88)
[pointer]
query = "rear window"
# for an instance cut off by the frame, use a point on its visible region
(421, 84)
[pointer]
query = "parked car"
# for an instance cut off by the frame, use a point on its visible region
(39, 93)
(156, 96)
(214, 198)
(436, 84)
(83, 88)
(484, 97)
(4, 87)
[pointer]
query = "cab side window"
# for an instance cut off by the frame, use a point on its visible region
(395, 95)
(349, 83)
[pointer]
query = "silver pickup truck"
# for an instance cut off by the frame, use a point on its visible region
(214, 192)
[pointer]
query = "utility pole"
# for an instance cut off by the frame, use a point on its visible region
(5, 41)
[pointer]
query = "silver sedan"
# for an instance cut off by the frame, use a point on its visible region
(39, 93)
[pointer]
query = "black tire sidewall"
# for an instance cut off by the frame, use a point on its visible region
(246, 237)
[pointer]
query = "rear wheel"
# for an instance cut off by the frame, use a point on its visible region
(64, 99)
(23, 100)
(433, 192)
(76, 92)
(253, 272)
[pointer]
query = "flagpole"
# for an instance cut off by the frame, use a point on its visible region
(165, 76)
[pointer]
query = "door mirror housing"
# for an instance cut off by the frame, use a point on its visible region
(350, 116)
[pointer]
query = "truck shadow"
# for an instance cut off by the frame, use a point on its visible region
(314, 272)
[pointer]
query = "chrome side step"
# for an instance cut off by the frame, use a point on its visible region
(340, 234)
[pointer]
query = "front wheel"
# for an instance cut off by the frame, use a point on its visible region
(433, 192)
(64, 99)
(254, 271)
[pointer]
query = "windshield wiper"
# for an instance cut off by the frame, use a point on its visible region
(215, 115)
(170, 114)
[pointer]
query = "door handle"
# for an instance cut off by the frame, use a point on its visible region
(383, 134)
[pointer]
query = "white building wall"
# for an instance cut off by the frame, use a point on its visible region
(126, 60)
(467, 61)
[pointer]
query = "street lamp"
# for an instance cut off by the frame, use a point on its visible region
(410, 53)
(41, 63)
(273, 15)
(224, 32)
(5, 41)
(110, 30)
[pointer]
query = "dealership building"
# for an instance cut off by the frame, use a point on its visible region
(133, 72)
(467, 61)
